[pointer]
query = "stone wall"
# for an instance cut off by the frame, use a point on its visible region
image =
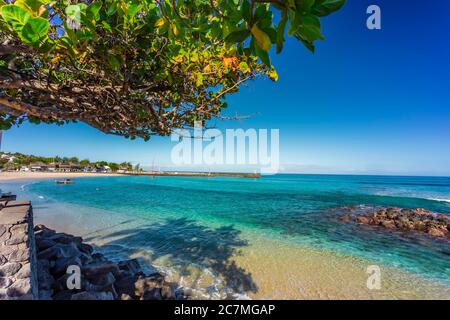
(18, 273)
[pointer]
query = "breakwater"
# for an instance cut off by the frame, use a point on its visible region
(195, 174)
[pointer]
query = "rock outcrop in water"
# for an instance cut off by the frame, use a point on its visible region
(101, 279)
(414, 220)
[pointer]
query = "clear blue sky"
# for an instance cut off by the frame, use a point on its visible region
(368, 101)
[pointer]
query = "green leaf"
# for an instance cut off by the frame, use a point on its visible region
(295, 19)
(106, 26)
(114, 62)
(243, 66)
(261, 38)
(263, 55)
(199, 81)
(133, 9)
(245, 9)
(15, 16)
(237, 36)
(310, 28)
(33, 6)
(92, 12)
(307, 44)
(74, 11)
(280, 31)
(35, 30)
(323, 8)
(304, 5)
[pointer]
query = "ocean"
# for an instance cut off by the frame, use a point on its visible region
(276, 237)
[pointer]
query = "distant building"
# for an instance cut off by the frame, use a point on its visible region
(8, 157)
(102, 169)
(69, 168)
(37, 167)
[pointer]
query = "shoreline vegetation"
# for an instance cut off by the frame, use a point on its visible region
(21, 166)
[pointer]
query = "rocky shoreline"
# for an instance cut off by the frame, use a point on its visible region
(101, 279)
(410, 220)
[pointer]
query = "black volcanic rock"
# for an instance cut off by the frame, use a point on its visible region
(409, 220)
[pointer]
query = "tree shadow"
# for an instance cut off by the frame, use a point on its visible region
(187, 242)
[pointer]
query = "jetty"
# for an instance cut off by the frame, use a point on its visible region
(193, 174)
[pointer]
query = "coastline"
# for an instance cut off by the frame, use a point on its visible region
(11, 176)
(292, 272)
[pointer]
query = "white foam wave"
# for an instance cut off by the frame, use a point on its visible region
(441, 200)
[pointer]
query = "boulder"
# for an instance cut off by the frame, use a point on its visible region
(345, 218)
(388, 224)
(92, 296)
(65, 238)
(103, 280)
(152, 294)
(362, 219)
(125, 296)
(131, 266)
(85, 248)
(98, 268)
(126, 285)
(43, 243)
(41, 231)
(422, 220)
(435, 232)
(168, 291)
(63, 295)
(51, 253)
(61, 264)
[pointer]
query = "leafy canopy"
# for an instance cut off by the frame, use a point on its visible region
(138, 68)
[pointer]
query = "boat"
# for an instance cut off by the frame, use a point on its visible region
(64, 181)
(7, 196)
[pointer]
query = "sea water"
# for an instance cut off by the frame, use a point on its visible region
(273, 237)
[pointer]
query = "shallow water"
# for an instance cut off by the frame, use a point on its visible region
(274, 237)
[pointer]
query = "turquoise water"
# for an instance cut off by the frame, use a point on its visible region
(199, 219)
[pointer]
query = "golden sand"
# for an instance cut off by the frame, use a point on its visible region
(283, 270)
(295, 272)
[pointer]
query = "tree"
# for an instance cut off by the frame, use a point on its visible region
(74, 160)
(85, 162)
(141, 67)
(3, 162)
(126, 166)
(113, 166)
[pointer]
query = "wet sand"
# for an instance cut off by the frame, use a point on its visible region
(296, 272)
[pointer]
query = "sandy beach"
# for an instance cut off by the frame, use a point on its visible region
(8, 176)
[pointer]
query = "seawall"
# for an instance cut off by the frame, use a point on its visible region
(18, 273)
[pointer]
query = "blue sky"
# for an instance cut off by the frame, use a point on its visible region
(368, 101)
